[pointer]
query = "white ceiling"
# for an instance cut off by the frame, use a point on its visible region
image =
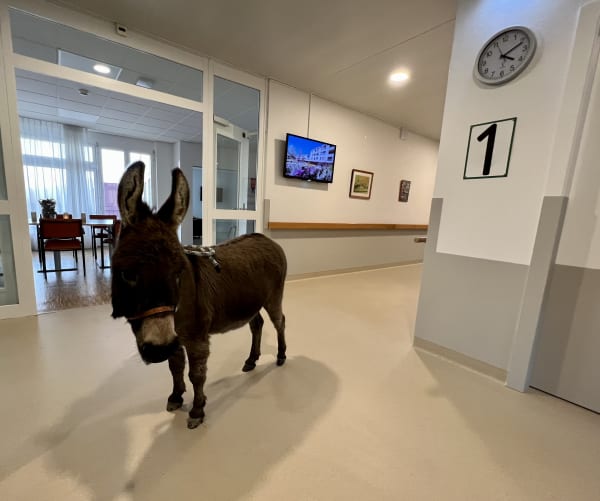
(342, 50)
(53, 99)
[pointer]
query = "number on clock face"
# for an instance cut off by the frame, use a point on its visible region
(505, 56)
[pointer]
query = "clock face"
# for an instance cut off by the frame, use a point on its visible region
(505, 55)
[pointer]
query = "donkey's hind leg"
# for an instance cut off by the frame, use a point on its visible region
(278, 318)
(177, 367)
(256, 325)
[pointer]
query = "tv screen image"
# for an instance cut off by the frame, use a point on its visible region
(308, 159)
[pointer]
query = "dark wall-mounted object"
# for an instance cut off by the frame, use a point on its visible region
(404, 191)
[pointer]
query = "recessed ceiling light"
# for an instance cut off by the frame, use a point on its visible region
(88, 65)
(399, 76)
(102, 68)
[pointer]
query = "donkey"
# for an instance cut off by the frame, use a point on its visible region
(175, 299)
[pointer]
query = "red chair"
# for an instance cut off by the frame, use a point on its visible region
(58, 235)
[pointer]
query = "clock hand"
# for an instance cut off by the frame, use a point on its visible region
(509, 51)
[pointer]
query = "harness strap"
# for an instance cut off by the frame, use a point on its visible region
(209, 252)
(153, 311)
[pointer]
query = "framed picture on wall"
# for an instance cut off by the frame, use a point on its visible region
(361, 183)
(404, 191)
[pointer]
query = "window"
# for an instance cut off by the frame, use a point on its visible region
(147, 159)
(114, 163)
(113, 166)
(59, 163)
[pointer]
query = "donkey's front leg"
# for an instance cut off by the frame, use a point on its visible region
(197, 357)
(177, 367)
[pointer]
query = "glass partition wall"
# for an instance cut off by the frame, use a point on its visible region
(237, 132)
(8, 280)
(87, 70)
(15, 297)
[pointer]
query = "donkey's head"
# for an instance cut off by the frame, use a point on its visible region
(148, 263)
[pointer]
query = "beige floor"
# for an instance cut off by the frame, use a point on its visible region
(355, 414)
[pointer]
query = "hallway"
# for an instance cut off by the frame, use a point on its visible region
(355, 414)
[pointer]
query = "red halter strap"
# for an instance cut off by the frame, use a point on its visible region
(153, 311)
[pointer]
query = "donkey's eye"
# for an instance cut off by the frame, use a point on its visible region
(129, 277)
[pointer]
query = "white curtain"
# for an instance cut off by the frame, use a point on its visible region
(60, 163)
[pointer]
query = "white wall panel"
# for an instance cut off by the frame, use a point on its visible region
(497, 218)
(362, 143)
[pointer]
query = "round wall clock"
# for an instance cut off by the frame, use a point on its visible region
(505, 55)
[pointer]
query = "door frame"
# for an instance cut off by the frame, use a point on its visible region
(209, 179)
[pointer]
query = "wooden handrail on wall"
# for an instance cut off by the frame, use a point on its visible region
(277, 225)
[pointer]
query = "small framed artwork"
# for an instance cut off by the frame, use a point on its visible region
(404, 191)
(361, 182)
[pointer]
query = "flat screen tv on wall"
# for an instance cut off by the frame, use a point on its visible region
(308, 159)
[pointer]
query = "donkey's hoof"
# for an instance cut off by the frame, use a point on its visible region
(194, 422)
(173, 406)
(248, 366)
(280, 361)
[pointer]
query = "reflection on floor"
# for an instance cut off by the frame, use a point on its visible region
(71, 289)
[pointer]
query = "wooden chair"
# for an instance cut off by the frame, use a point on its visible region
(100, 233)
(58, 235)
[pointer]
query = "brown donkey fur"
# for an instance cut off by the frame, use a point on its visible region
(174, 300)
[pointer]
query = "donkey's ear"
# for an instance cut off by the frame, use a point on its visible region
(130, 193)
(174, 209)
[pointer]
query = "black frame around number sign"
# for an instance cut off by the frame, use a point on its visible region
(495, 142)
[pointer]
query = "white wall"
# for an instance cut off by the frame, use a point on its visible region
(580, 238)
(497, 298)
(362, 143)
(497, 218)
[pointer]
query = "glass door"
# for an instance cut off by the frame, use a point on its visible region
(16, 298)
(146, 104)
(237, 169)
(232, 181)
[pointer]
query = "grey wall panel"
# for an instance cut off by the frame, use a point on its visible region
(536, 288)
(567, 357)
(314, 251)
(468, 305)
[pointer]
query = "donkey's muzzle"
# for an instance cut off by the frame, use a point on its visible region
(155, 353)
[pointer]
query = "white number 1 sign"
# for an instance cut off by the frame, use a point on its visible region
(489, 148)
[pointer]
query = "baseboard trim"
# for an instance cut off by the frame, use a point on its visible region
(326, 273)
(461, 359)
